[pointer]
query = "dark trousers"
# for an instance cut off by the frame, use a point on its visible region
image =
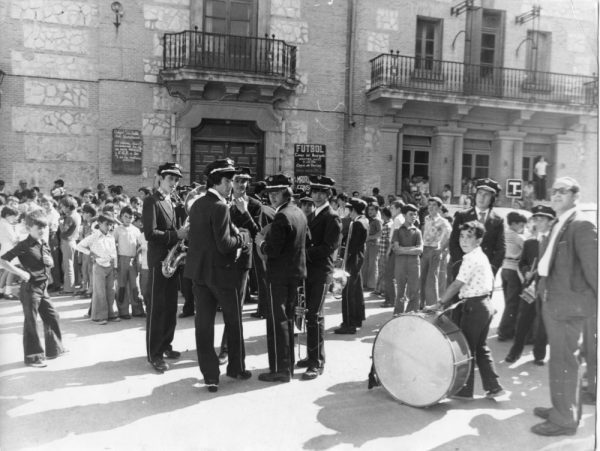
(241, 296)
(316, 291)
(525, 322)
(35, 299)
(261, 282)
(128, 290)
(186, 288)
(207, 297)
(282, 297)
(161, 314)
(390, 285)
(589, 350)
(540, 187)
(511, 286)
(353, 301)
(56, 271)
(563, 368)
(475, 324)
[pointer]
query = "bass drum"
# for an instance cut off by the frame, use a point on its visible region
(421, 358)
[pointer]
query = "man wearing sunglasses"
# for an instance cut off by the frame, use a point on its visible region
(568, 286)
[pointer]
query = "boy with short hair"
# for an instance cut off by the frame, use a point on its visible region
(474, 284)
(101, 246)
(384, 245)
(127, 238)
(34, 255)
(511, 277)
(407, 246)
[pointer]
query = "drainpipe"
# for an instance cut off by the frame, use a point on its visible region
(351, 58)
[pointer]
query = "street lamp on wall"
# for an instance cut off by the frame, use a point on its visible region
(2, 74)
(117, 8)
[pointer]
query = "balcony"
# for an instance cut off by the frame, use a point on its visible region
(210, 66)
(397, 78)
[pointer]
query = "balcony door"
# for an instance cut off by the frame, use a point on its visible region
(415, 156)
(484, 52)
(537, 64)
(231, 24)
(241, 141)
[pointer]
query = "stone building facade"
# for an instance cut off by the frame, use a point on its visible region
(73, 76)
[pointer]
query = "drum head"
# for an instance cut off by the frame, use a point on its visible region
(414, 360)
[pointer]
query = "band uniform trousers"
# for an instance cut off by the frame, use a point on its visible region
(316, 291)
(35, 299)
(565, 380)
(128, 290)
(187, 290)
(206, 298)
(258, 270)
(525, 325)
(353, 301)
(590, 352)
(430, 270)
(161, 317)
(241, 296)
(475, 322)
(407, 272)
(281, 303)
(511, 287)
(103, 295)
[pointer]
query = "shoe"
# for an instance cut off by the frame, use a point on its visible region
(85, 295)
(172, 354)
(495, 393)
(312, 372)
(10, 297)
(223, 357)
(125, 316)
(345, 330)
(257, 315)
(511, 358)
(101, 322)
(185, 314)
(159, 365)
(538, 362)
(542, 412)
(549, 429)
(587, 398)
(37, 362)
(304, 363)
(281, 376)
(139, 315)
(66, 293)
(243, 375)
(212, 388)
(386, 305)
(501, 338)
(114, 319)
(52, 357)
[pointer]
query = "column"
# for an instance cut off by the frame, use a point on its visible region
(390, 181)
(506, 159)
(446, 159)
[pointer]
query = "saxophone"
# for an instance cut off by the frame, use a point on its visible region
(176, 255)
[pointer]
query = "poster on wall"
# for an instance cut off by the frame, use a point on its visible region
(309, 159)
(127, 147)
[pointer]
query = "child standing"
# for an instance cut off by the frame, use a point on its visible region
(407, 245)
(34, 255)
(474, 284)
(142, 261)
(88, 214)
(8, 240)
(127, 238)
(384, 245)
(100, 245)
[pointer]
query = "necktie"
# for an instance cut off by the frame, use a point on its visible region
(482, 217)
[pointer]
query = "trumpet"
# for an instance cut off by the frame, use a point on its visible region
(300, 315)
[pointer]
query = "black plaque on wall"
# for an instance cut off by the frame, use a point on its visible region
(127, 147)
(309, 159)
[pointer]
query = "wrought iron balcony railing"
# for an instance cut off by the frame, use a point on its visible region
(448, 77)
(199, 50)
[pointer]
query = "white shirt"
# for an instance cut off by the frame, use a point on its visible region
(544, 264)
(397, 222)
(321, 208)
(103, 246)
(127, 240)
(540, 168)
(476, 274)
(8, 236)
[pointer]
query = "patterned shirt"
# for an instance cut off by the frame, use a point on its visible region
(384, 240)
(435, 231)
(476, 274)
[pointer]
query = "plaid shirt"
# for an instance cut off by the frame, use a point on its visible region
(384, 240)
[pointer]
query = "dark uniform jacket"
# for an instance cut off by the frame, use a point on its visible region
(250, 221)
(285, 245)
(214, 243)
(325, 233)
(530, 255)
(493, 245)
(160, 227)
(355, 247)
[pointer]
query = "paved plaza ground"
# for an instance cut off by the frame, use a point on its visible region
(103, 395)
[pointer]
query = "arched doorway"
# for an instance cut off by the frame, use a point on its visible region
(242, 141)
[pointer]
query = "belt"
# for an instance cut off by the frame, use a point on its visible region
(432, 247)
(476, 298)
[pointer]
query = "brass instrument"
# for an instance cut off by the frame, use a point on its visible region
(300, 315)
(340, 276)
(177, 253)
